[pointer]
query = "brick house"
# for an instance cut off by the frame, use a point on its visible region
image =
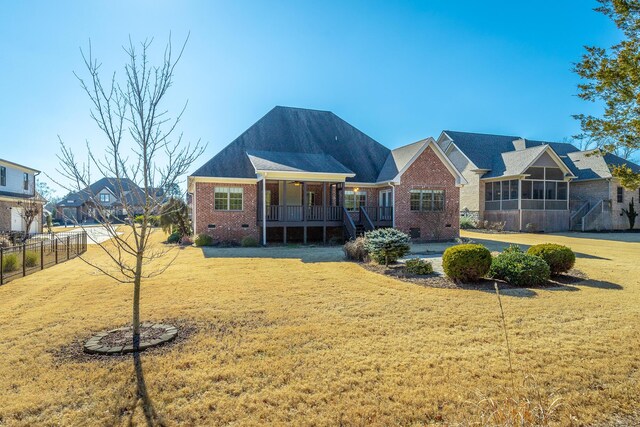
(300, 175)
(547, 186)
(17, 192)
(107, 195)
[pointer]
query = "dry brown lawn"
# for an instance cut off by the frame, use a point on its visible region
(280, 341)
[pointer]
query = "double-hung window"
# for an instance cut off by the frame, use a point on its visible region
(228, 199)
(427, 200)
(353, 200)
(3, 176)
(25, 181)
(104, 198)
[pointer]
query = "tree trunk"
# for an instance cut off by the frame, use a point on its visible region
(136, 304)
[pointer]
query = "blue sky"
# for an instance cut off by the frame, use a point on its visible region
(399, 71)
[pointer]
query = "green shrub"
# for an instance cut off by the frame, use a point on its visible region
(520, 269)
(560, 258)
(512, 248)
(466, 263)
(248, 242)
(386, 245)
(419, 266)
(174, 238)
(31, 259)
(355, 250)
(467, 223)
(10, 262)
(203, 240)
(152, 220)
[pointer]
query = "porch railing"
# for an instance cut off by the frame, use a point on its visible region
(298, 213)
(366, 220)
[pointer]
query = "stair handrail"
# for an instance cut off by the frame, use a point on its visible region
(365, 219)
(593, 209)
(348, 223)
(578, 214)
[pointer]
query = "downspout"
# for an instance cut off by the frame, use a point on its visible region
(264, 209)
(193, 208)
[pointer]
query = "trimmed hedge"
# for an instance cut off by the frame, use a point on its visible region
(203, 240)
(466, 263)
(520, 269)
(559, 258)
(418, 266)
(174, 237)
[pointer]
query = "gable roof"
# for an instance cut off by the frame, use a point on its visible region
(497, 154)
(297, 130)
(398, 159)
(516, 162)
(296, 162)
(78, 198)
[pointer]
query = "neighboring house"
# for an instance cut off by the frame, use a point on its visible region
(307, 175)
(17, 191)
(527, 184)
(105, 195)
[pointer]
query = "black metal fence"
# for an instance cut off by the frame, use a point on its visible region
(38, 252)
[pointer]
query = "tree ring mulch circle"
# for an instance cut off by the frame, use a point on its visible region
(120, 340)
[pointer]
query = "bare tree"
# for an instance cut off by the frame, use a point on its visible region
(143, 155)
(29, 210)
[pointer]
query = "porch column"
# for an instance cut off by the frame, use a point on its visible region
(520, 204)
(304, 212)
(393, 206)
(324, 212)
(284, 201)
(264, 209)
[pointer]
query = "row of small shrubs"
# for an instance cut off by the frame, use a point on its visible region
(11, 262)
(471, 262)
(206, 240)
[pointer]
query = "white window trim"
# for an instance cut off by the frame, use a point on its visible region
(229, 192)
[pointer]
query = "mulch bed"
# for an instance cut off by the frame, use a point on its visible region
(434, 280)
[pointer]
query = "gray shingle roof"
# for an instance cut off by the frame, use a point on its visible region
(516, 162)
(594, 166)
(297, 130)
(296, 162)
(80, 197)
(497, 154)
(398, 159)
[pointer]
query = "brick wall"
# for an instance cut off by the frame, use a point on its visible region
(228, 224)
(428, 173)
(5, 215)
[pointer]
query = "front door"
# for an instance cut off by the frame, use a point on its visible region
(385, 204)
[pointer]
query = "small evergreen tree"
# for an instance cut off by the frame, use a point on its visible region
(386, 245)
(631, 214)
(174, 217)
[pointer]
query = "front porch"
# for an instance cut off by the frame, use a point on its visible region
(305, 210)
